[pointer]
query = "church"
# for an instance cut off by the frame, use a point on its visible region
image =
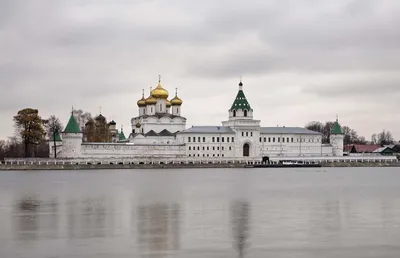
(159, 131)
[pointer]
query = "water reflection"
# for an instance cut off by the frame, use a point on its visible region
(240, 221)
(158, 229)
(87, 218)
(26, 217)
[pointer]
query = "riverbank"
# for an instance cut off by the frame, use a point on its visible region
(175, 166)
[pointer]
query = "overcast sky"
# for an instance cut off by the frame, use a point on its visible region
(300, 60)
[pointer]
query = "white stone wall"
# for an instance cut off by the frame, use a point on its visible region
(141, 139)
(208, 145)
(51, 148)
(291, 145)
(176, 110)
(112, 150)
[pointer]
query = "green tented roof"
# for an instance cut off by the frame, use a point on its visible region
(72, 126)
(122, 136)
(240, 102)
(58, 137)
(336, 129)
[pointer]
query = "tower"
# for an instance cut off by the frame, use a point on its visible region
(71, 139)
(246, 128)
(176, 103)
(336, 139)
(240, 108)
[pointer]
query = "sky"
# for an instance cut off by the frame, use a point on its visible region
(299, 60)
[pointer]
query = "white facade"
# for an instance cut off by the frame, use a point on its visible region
(159, 131)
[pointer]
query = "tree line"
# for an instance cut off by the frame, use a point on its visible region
(350, 135)
(33, 134)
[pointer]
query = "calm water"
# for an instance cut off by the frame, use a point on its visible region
(201, 213)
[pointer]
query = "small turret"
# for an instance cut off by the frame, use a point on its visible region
(337, 139)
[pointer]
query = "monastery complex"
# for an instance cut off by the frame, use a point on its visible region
(159, 131)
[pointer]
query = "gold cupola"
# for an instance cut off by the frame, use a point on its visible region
(142, 102)
(159, 92)
(167, 103)
(150, 99)
(176, 101)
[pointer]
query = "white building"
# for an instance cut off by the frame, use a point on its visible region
(159, 131)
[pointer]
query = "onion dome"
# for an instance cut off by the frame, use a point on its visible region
(100, 118)
(159, 92)
(138, 125)
(176, 101)
(168, 103)
(151, 100)
(112, 122)
(142, 102)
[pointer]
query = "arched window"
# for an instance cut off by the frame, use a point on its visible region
(151, 110)
(160, 107)
(245, 113)
(234, 113)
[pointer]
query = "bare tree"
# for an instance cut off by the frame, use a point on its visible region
(53, 128)
(374, 139)
(385, 138)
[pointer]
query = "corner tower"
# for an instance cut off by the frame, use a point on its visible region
(71, 139)
(337, 139)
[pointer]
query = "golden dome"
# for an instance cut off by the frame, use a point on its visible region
(176, 101)
(159, 92)
(150, 99)
(168, 103)
(142, 102)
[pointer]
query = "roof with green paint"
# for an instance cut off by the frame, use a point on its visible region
(122, 136)
(112, 122)
(240, 102)
(58, 137)
(336, 129)
(72, 126)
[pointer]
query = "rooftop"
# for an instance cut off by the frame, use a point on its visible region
(287, 130)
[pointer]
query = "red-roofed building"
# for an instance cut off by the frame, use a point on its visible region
(361, 148)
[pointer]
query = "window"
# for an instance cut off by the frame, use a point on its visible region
(269, 139)
(213, 139)
(188, 139)
(273, 139)
(190, 148)
(279, 139)
(222, 155)
(260, 139)
(251, 134)
(265, 139)
(213, 155)
(217, 139)
(222, 147)
(208, 148)
(204, 155)
(242, 134)
(283, 139)
(160, 107)
(194, 139)
(204, 139)
(151, 109)
(203, 148)
(217, 148)
(218, 155)
(247, 134)
(287, 139)
(199, 139)
(230, 148)
(177, 110)
(233, 139)
(222, 139)
(245, 113)
(234, 113)
(208, 155)
(292, 139)
(213, 148)
(198, 155)
(190, 155)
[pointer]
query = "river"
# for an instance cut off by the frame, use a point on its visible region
(318, 212)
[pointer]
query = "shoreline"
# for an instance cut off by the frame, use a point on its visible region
(6, 167)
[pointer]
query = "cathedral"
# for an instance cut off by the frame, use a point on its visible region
(159, 131)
